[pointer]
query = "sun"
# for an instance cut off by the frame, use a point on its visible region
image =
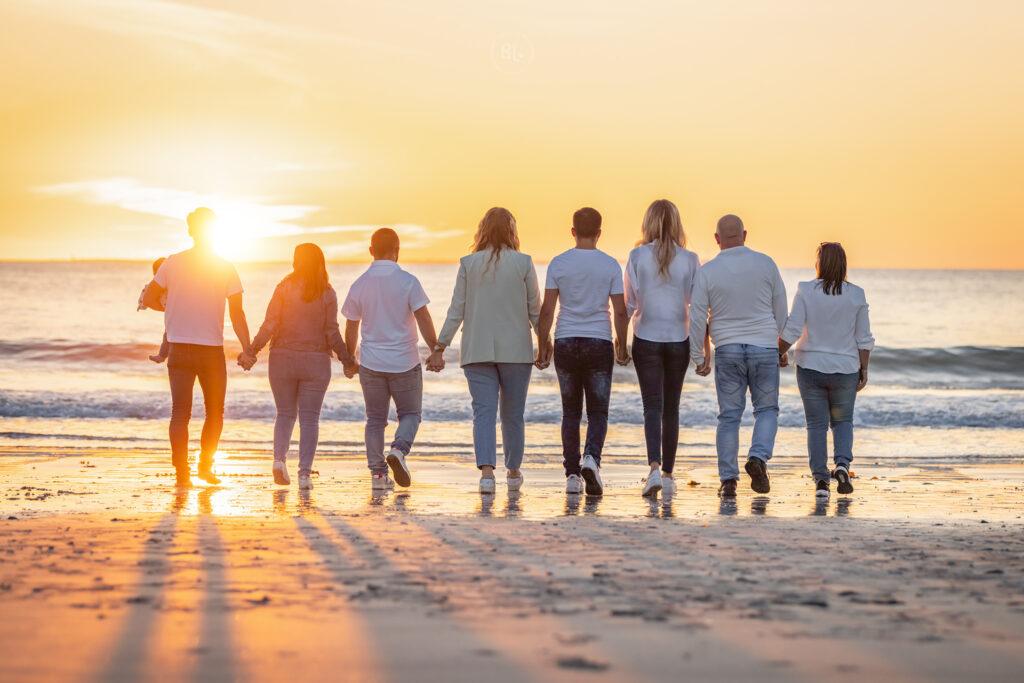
(230, 239)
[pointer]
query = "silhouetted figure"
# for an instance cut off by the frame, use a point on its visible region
(197, 282)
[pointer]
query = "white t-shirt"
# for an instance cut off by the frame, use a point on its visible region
(198, 284)
(383, 299)
(584, 278)
(659, 306)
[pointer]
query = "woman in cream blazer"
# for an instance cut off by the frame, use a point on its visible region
(496, 301)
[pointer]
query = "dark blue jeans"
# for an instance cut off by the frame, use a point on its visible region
(584, 367)
(828, 400)
(660, 369)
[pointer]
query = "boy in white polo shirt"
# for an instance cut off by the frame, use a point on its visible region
(388, 303)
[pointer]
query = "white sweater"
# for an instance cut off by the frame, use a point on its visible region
(658, 305)
(829, 329)
(742, 294)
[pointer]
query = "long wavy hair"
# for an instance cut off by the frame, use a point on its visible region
(309, 269)
(496, 231)
(664, 229)
(831, 267)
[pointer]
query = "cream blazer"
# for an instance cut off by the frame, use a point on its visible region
(496, 302)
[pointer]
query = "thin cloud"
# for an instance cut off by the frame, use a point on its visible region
(267, 47)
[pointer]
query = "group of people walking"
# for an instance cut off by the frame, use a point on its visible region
(678, 307)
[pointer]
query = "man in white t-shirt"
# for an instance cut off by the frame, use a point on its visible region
(583, 279)
(388, 303)
(197, 282)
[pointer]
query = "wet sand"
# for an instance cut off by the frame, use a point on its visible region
(109, 573)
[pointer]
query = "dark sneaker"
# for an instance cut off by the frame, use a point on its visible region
(207, 475)
(842, 475)
(758, 475)
(728, 488)
(821, 489)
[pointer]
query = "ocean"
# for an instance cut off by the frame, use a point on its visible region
(946, 381)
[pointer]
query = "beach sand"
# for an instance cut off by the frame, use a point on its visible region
(109, 573)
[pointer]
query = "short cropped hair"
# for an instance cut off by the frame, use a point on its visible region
(384, 241)
(586, 222)
(200, 222)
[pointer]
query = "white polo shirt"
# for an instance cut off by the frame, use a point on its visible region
(198, 283)
(383, 300)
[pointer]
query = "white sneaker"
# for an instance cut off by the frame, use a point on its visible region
(281, 473)
(381, 482)
(592, 476)
(573, 484)
(652, 484)
(396, 461)
(486, 484)
(515, 483)
(304, 483)
(668, 486)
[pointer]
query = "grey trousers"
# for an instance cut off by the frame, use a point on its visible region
(299, 381)
(406, 388)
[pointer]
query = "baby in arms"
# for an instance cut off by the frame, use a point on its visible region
(161, 355)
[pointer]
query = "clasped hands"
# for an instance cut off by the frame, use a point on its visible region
(435, 361)
(545, 350)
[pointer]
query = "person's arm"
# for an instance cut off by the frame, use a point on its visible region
(865, 343)
(426, 325)
(533, 297)
(699, 329)
(351, 336)
(621, 321)
(151, 297)
(332, 330)
(544, 322)
(779, 302)
(238, 322)
(271, 323)
(794, 328)
(454, 319)
(629, 286)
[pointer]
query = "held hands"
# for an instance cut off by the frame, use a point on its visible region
(247, 359)
(435, 361)
(704, 369)
(783, 360)
(350, 368)
(621, 353)
(544, 353)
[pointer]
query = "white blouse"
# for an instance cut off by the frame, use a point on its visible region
(829, 329)
(660, 306)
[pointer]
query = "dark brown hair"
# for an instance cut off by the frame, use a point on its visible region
(309, 268)
(384, 241)
(831, 267)
(586, 222)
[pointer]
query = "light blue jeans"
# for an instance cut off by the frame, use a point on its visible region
(828, 399)
(406, 388)
(499, 387)
(298, 380)
(739, 367)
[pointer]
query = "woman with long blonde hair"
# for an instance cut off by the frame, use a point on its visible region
(659, 279)
(496, 301)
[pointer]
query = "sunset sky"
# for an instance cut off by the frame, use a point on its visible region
(893, 127)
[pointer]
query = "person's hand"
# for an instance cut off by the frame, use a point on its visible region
(621, 353)
(435, 361)
(247, 359)
(351, 369)
(863, 380)
(704, 369)
(544, 352)
(157, 358)
(783, 360)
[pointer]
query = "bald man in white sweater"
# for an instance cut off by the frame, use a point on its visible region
(740, 294)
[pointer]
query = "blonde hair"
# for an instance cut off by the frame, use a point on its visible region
(663, 228)
(496, 231)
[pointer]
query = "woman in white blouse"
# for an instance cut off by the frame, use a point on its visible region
(496, 301)
(829, 323)
(659, 279)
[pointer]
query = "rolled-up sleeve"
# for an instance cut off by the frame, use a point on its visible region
(794, 328)
(457, 309)
(862, 331)
(699, 305)
(532, 295)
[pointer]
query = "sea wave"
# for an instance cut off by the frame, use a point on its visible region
(699, 408)
(960, 367)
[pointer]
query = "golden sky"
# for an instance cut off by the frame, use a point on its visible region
(893, 127)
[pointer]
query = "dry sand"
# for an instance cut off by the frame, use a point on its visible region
(108, 573)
